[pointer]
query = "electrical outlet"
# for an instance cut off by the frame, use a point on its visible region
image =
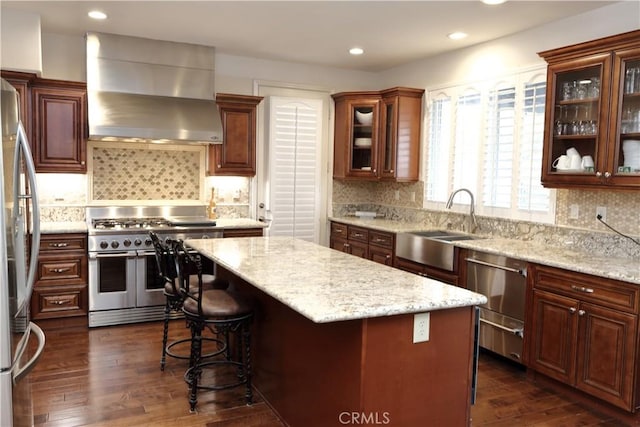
(602, 211)
(421, 327)
(574, 211)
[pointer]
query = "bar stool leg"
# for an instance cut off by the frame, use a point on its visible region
(165, 333)
(194, 363)
(246, 341)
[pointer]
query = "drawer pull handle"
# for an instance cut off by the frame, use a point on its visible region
(358, 235)
(60, 302)
(582, 289)
(60, 270)
(58, 245)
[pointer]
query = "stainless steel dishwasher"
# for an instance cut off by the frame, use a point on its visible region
(503, 281)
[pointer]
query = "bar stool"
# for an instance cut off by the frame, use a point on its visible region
(223, 311)
(166, 267)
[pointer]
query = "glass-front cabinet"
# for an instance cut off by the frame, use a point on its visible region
(377, 134)
(363, 137)
(592, 122)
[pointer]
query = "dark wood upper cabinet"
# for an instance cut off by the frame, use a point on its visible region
(21, 82)
(377, 134)
(237, 154)
(59, 126)
(593, 105)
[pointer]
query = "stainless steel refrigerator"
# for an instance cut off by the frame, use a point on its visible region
(21, 341)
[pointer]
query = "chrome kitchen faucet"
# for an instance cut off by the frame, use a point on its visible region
(472, 213)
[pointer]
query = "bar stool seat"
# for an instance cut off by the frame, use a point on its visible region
(225, 312)
(165, 263)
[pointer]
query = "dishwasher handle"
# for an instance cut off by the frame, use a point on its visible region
(519, 332)
(522, 272)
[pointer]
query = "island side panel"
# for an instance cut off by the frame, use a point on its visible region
(309, 373)
(422, 384)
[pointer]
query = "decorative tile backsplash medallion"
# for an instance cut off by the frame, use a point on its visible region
(623, 213)
(135, 172)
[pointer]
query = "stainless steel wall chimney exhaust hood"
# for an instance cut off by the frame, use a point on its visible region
(151, 90)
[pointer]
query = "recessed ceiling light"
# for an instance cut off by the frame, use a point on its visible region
(96, 14)
(356, 51)
(457, 35)
(493, 2)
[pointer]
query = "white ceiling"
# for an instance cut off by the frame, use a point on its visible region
(314, 32)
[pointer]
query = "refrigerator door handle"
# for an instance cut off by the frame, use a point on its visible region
(22, 143)
(21, 371)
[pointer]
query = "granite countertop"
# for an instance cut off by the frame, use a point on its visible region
(326, 285)
(51, 227)
(48, 227)
(239, 223)
(618, 268)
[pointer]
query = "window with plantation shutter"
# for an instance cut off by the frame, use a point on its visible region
(438, 165)
(494, 150)
(295, 135)
(499, 148)
(467, 141)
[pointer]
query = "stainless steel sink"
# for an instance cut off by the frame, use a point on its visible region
(433, 247)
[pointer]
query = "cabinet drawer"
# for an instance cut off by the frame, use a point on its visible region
(382, 239)
(55, 302)
(359, 234)
(339, 230)
(63, 242)
(243, 232)
(62, 269)
(605, 292)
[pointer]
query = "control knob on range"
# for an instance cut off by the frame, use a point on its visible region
(137, 242)
(115, 244)
(104, 245)
(147, 242)
(127, 242)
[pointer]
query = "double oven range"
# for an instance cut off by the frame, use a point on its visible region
(123, 279)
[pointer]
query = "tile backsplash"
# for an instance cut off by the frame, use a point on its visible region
(146, 172)
(395, 201)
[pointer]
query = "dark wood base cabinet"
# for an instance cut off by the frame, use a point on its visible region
(61, 281)
(584, 333)
(363, 242)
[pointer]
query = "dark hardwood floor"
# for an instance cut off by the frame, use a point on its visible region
(111, 377)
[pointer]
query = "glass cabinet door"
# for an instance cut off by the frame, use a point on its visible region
(578, 123)
(625, 130)
(364, 138)
(388, 137)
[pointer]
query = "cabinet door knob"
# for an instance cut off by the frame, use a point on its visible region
(581, 312)
(572, 310)
(607, 175)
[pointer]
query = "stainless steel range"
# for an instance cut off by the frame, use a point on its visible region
(123, 278)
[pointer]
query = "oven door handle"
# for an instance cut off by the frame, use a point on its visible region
(519, 332)
(129, 254)
(521, 272)
(145, 253)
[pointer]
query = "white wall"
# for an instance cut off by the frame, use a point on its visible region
(20, 41)
(64, 58)
(514, 52)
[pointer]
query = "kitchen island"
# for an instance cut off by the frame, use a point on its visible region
(333, 335)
